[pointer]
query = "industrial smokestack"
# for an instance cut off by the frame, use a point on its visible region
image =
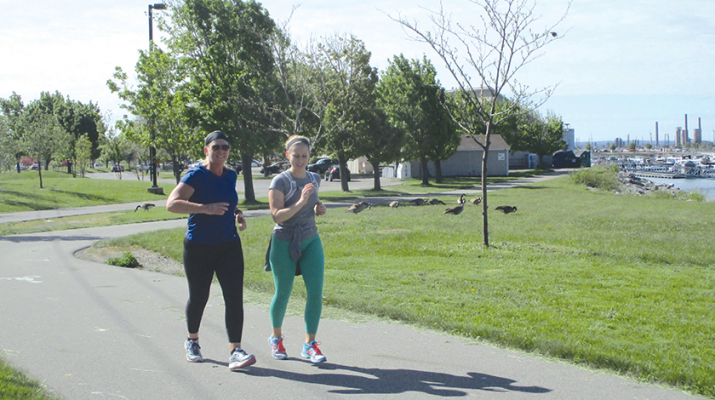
(656, 134)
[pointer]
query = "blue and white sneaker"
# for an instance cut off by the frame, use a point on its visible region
(193, 351)
(240, 359)
(312, 352)
(277, 349)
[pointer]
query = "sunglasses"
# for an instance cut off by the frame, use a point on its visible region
(223, 147)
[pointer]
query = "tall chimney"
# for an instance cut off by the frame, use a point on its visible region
(686, 127)
(656, 134)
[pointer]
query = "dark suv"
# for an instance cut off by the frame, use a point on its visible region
(321, 166)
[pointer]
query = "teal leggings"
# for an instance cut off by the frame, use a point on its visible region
(312, 264)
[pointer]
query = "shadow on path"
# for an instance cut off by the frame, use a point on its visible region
(394, 381)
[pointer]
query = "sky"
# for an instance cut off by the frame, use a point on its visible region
(617, 68)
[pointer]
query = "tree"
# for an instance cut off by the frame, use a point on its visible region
(485, 63)
(39, 137)
(612, 147)
(648, 146)
(225, 44)
(12, 109)
(381, 142)
(587, 147)
(412, 97)
(541, 135)
(632, 146)
(342, 89)
(159, 101)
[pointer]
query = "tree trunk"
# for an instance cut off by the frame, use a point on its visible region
(47, 164)
(425, 170)
(438, 171)
(249, 194)
(39, 170)
(343, 173)
(485, 219)
(376, 175)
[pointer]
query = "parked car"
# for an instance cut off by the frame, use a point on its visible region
(274, 168)
(238, 166)
(35, 167)
(256, 163)
(335, 173)
(118, 168)
(98, 164)
(321, 166)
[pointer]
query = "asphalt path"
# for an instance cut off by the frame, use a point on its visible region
(92, 331)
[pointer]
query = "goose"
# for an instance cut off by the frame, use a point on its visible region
(458, 209)
(418, 201)
(359, 206)
(506, 209)
(476, 200)
(434, 201)
(145, 206)
(394, 204)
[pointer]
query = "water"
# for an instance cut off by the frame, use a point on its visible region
(707, 186)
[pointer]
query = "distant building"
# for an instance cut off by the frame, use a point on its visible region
(467, 161)
(569, 137)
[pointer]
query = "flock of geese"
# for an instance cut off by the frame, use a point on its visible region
(362, 205)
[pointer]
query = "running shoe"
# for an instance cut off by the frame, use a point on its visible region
(193, 351)
(277, 349)
(239, 359)
(312, 352)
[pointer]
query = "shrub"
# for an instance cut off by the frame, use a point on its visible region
(597, 177)
(126, 260)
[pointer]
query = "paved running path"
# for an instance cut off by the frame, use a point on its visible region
(93, 331)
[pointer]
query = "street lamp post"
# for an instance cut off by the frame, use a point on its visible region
(152, 151)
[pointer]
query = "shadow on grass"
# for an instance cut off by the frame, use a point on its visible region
(32, 206)
(85, 196)
(21, 194)
(395, 381)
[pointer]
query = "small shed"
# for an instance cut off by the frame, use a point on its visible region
(467, 161)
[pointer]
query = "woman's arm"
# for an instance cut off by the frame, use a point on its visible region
(178, 202)
(277, 202)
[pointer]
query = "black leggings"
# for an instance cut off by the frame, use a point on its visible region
(200, 263)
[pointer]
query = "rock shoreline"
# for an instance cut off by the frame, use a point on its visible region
(631, 184)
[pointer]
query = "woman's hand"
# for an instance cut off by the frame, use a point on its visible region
(307, 191)
(320, 209)
(241, 220)
(216, 208)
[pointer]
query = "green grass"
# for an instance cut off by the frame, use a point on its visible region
(21, 192)
(15, 385)
(624, 283)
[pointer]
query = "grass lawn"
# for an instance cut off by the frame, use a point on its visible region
(21, 192)
(14, 385)
(624, 283)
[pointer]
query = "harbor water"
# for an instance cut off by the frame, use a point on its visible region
(707, 186)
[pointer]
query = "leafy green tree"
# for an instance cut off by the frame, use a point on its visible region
(381, 142)
(612, 147)
(412, 98)
(159, 101)
(587, 147)
(342, 89)
(541, 135)
(12, 110)
(225, 44)
(648, 146)
(83, 150)
(39, 137)
(632, 146)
